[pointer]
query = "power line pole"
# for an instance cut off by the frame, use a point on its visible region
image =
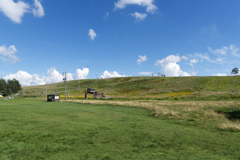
(65, 81)
(158, 74)
(67, 91)
(46, 89)
(152, 75)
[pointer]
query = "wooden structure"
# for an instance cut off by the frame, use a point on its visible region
(53, 98)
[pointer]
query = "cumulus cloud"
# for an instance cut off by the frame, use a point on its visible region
(145, 73)
(220, 74)
(8, 54)
(107, 74)
(53, 76)
(38, 10)
(92, 34)
(141, 59)
(169, 66)
(192, 61)
(16, 10)
(151, 8)
(139, 16)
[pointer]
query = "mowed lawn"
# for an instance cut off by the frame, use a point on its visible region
(35, 129)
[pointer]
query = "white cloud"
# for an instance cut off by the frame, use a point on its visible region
(8, 54)
(107, 74)
(234, 50)
(192, 61)
(220, 74)
(81, 74)
(206, 57)
(145, 73)
(106, 16)
(169, 66)
(200, 55)
(38, 10)
(141, 59)
(16, 10)
(151, 8)
(222, 51)
(220, 59)
(53, 76)
(92, 34)
(185, 58)
(139, 16)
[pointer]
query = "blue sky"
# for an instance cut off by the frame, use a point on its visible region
(40, 39)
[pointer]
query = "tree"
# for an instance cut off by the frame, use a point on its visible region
(235, 71)
(9, 86)
(3, 85)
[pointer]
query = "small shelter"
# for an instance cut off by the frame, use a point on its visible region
(53, 98)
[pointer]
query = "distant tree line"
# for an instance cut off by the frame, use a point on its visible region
(10, 86)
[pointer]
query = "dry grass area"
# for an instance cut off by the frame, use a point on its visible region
(231, 126)
(182, 110)
(197, 110)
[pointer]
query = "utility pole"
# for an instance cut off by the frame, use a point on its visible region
(46, 89)
(67, 92)
(65, 81)
(42, 92)
(158, 74)
(128, 89)
(152, 75)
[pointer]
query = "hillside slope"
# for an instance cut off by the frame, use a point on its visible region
(156, 87)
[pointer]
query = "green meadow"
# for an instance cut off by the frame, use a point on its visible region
(36, 129)
(193, 88)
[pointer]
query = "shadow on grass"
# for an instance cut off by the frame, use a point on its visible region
(231, 115)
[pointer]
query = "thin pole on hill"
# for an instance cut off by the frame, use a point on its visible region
(67, 91)
(152, 75)
(46, 89)
(65, 81)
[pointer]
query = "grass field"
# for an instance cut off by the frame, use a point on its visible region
(207, 88)
(35, 129)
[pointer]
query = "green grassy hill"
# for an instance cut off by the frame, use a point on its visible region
(148, 87)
